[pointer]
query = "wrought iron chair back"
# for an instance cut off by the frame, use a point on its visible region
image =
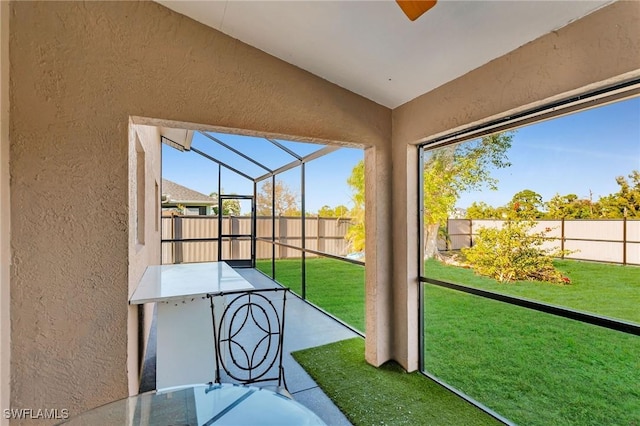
(248, 333)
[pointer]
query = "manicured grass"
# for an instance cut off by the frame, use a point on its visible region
(335, 286)
(533, 368)
(385, 395)
(288, 272)
(599, 288)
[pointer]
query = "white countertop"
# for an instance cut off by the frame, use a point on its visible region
(163, 283)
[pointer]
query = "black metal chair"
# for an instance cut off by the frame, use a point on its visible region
(248, 333)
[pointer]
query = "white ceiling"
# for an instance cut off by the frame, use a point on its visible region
(371, 48)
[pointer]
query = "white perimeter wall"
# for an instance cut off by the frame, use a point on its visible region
(601, 240)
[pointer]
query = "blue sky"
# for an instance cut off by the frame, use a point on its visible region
(326, 177)
(576, 154)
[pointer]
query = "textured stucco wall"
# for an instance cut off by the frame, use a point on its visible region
(589, 53)
(601, 48)
(78, 72)
(4, 210)
(141, 255)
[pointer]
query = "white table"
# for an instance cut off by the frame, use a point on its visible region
(185, 353)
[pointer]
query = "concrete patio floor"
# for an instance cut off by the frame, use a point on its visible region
(306, 327)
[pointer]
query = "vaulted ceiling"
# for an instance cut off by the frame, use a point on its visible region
(371, 48)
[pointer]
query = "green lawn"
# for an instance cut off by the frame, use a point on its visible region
(385, 395)
(335, 286)
(603, 289)
(531, 367)
(534, 368)
(288, 272)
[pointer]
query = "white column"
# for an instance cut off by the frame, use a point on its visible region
(379, 298)
(405, 257)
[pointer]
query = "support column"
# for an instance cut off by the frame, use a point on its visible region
(405, 255)
(379, 296)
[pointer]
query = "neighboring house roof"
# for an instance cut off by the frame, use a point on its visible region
(173, 193)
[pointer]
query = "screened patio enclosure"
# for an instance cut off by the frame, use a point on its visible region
(249, 220)
(90, 83)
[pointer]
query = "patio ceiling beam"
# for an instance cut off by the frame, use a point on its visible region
(320, 153)
(221, 163)
(284, 148)
(173, 144)
(235, 151)
(282, 169)
(314, 155)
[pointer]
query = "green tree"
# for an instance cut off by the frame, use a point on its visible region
(325, 211)
(625, 202)
(570, 206)
(356, 233)
(451, 170)
(482, 210)
(514, 253)
(338, 211)
(286, 200)
(229, 207)
(526, 204)
(341, 211)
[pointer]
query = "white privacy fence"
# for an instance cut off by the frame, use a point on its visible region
(603, 240)
(199, 235)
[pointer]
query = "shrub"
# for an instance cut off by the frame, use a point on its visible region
(514, 253)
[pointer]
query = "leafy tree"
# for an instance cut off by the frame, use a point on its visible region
(338, 211)
(514, 253)
(325, 211)
(625, 202)
(341, 211)
(526, 204)
(571, 207)
(286, 201)
(229, 207)
(482, 210)
(355, 235)
(451, 170)
(448, 172)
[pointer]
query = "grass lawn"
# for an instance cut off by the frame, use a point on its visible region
(531, 367)
(599, 288)
(335, 286)
(385, 395)
(534, 368)
(288, 272)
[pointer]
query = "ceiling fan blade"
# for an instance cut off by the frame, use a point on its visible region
(415, 8)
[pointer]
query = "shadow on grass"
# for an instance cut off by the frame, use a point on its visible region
(386, 395)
